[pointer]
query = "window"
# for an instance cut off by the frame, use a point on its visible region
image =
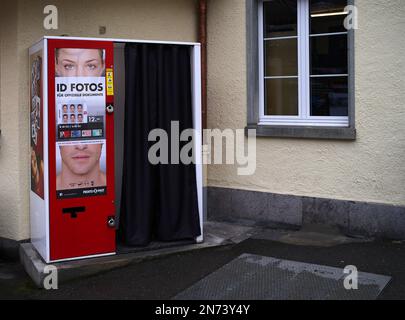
(303, 63)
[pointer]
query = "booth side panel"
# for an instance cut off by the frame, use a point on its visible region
(38, 149)
(196, 87)
(81, 149)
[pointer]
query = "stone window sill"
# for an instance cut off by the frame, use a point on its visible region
(324, 133)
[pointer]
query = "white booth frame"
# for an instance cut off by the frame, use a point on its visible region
(39, 208)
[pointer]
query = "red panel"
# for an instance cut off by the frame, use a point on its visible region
(88, 234)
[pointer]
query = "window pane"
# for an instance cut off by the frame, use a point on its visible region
(281, 57)
(329, 96)
(280, 18)
(327, 17)
(281, 97)
(329, 55)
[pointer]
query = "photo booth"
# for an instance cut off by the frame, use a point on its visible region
(93, 104)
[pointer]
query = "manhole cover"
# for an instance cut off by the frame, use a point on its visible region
(252, 277)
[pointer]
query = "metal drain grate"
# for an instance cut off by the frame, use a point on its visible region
(251, 277)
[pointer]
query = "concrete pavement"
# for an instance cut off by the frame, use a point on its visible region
(162, 277)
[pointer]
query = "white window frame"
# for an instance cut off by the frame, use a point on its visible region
(304, 100)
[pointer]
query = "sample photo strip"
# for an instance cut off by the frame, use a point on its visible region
(73, 113)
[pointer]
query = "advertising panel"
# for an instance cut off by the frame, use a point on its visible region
(36, 125)
(80, 93)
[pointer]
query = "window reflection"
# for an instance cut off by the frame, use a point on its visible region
(327, 16)
(282, 97)
(329, 55)
(281, 57)
(280, 18)
(329, 96)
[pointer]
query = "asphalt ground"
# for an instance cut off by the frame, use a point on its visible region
(164, 277)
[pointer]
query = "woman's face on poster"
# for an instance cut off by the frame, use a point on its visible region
(79, 63)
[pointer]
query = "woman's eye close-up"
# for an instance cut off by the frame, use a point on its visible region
(69, 66)
(91, 66)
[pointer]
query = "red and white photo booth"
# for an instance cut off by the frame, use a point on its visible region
(74, 96)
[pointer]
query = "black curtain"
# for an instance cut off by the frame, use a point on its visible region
(159, 202)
